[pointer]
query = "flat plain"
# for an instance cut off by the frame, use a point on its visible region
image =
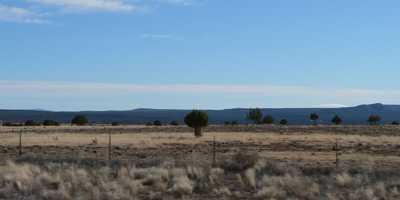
(169, 162)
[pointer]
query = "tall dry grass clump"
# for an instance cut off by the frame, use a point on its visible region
(251, 177)
(73, 179)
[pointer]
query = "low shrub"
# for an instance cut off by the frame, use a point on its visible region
(115, 123)
(174, 123)
(31, 123)
(157, 123)
(234, 122)
(49, 122)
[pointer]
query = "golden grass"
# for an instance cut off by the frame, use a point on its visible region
(158, 138)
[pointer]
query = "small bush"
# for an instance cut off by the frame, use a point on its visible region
(115, 123)
(227, 123)
(49, 122)
(395, 123)
(31, 123)
(174, 123)
(268, 119)
(79, 120)
(283, 122)
(234, 122)
(149, 124)
(157, 123)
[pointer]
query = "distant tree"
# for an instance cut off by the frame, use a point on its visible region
(227, 123)
(157, 123)
(283, 122)
(234, 122)
(197, 119)
(255, 115)
(149, 124)
(395, 123)
(31, 123)
(268, 119)
(79, 120)
(174, 123)
(49, 122)
(374, 119)
(371, 120)
(377, 119)
(115, 123)
(337, 120)
(314, 117)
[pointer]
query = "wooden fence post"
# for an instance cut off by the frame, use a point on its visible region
(214, 151)
(337, 159)
(109, 149)
(20, 144)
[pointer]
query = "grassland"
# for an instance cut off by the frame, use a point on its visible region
(252, 162)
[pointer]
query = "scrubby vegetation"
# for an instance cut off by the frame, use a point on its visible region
(373, 119)
(268, 119)
(149, 124)
(49, 122)
(79, 120)
(157, 123)
(174, 123)
(314, 118)
(197, 119)
(234, 122)
(236, 177)
(336, 120)
(395, 123)
(255, 115)
(283, 122)
(115, 123)
(31, 123)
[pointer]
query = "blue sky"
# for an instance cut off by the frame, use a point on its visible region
(206, 54)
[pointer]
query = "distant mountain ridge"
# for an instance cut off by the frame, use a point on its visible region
(295, 116)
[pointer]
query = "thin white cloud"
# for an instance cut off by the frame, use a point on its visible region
(79, 89)
(183, 2)
(156, 36)
(186, 2)
(90, 5)
(162, 36)
(13, 14)
(331, 105)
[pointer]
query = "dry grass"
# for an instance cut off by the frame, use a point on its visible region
(176, 165)
(68, 180)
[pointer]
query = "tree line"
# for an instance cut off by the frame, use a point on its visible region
(197, 119)
(256, 116)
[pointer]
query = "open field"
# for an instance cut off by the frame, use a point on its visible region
(265, 162)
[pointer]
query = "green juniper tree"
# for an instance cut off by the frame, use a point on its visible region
(337, 120)
(197, 119)
(255, 115)
(79, 120)
(268, 119)
(314, 117)
(283, 122)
